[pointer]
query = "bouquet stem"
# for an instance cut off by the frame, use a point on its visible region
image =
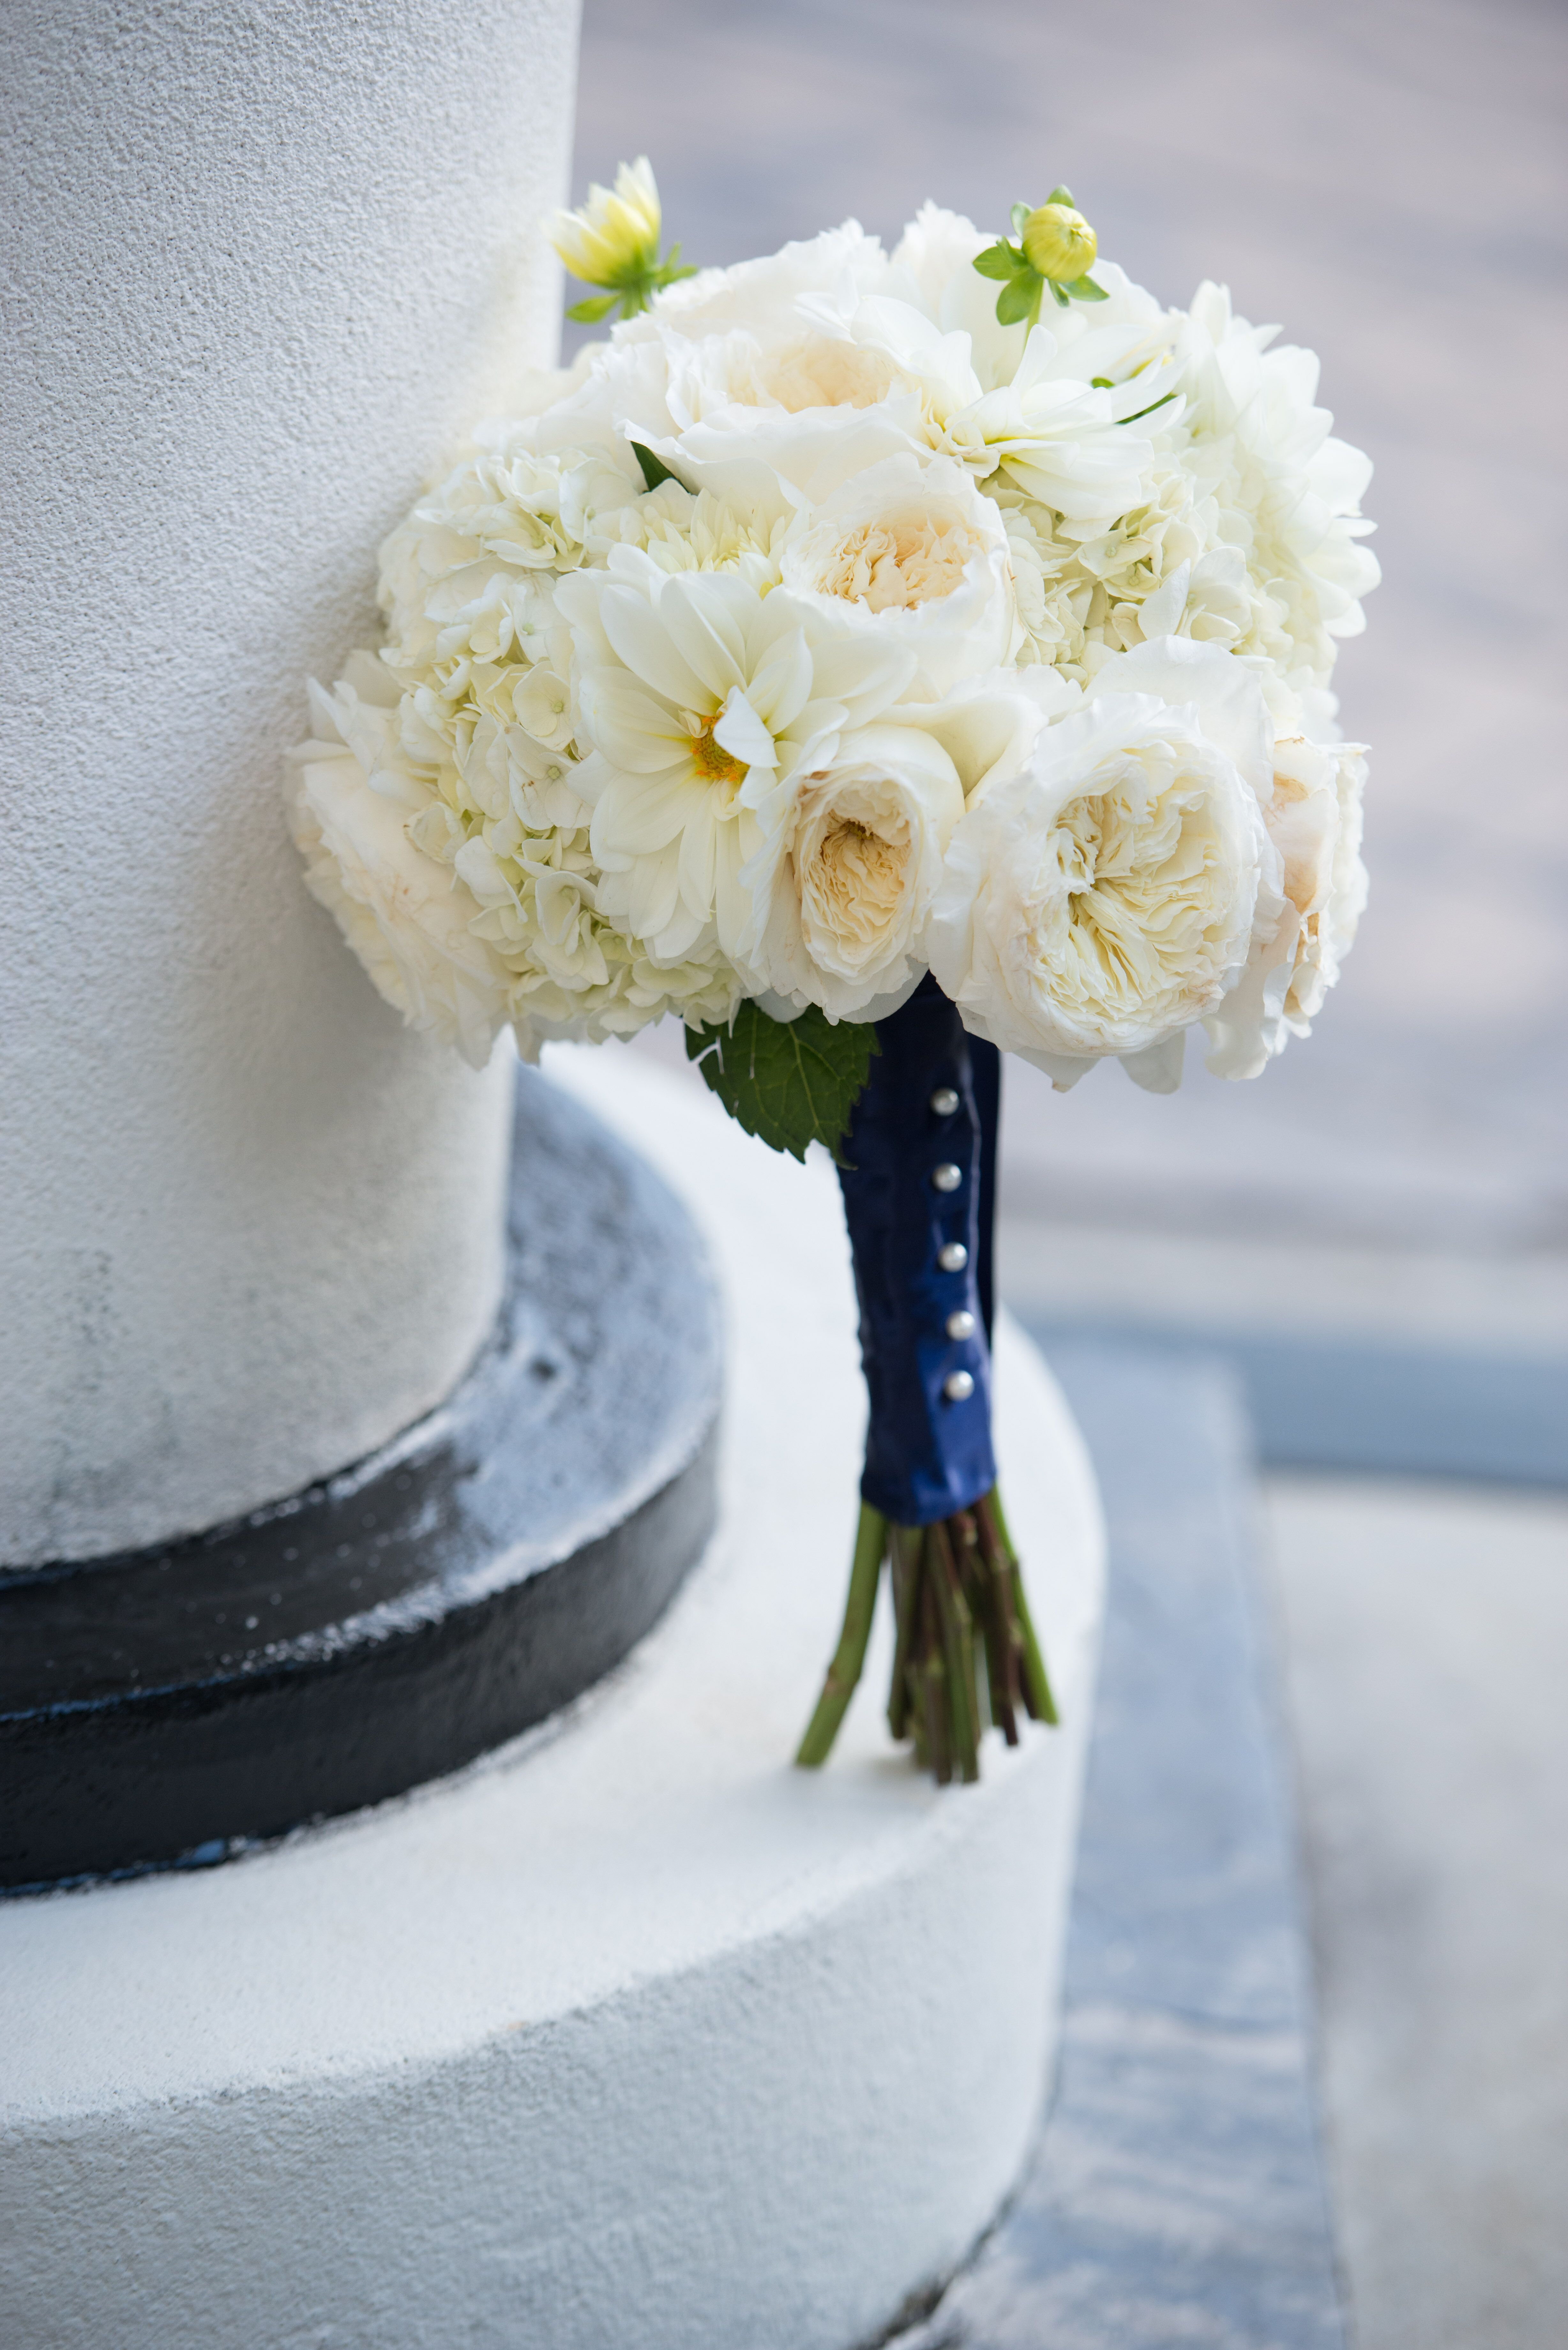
(966, 1651)
(919, 1177)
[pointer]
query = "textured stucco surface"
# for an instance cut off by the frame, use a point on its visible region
(263, 263)
(634, 2035)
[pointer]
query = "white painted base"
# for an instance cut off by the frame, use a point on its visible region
(632, 2035)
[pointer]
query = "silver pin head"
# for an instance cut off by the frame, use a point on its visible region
(961, 1324)
(944, 1101)
(958, 1386)
(952, 1256)
(947, 1177)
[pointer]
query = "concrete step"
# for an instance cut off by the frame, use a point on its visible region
(1177, 2194)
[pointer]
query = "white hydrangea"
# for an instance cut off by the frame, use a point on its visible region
(924, 617)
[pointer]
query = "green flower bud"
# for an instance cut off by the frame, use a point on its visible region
(613, 239)
(1058, 243)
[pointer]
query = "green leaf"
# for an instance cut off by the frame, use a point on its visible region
(788, 1081)
(1084, 289)
(1019, 299)
(597, 306)
(654, 468)
(1058, 295)
(999, 260)
(1103, 382)
(1017, 215)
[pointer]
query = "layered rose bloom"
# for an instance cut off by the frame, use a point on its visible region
(1103, 899)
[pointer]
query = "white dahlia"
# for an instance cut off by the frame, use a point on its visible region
(698, 699)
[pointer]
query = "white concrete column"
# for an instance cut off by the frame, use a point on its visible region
(262, 262)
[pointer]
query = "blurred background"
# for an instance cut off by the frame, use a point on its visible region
(1374, 1234)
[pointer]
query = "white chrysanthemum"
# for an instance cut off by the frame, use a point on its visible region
(846, 876)
(1103, 899)
(697, 699)
(912, 554)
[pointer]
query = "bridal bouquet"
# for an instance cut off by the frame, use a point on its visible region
(878, 661)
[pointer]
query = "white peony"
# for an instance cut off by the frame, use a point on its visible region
(846, 877)
(1103, 897)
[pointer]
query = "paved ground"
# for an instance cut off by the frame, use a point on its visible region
(1427, 1654)
(1175, 2195)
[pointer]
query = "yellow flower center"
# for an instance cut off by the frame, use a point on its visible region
(713, 763)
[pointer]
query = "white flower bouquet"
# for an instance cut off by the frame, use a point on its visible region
(878, 661)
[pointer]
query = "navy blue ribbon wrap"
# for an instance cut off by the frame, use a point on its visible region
(926, 1454)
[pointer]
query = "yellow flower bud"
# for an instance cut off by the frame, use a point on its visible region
(613, 239)
(1059, 242)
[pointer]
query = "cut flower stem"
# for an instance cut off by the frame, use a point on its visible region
(965, 1652)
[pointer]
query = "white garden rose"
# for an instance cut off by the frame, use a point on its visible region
(915, 556)
(1102, 900)
(1313, 820)
(847, 874)
(396, 906)
(726, 363)
(763, 297)
(1220, 695)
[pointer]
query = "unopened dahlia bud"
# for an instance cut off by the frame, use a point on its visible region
(613, 239)
(1058, 243)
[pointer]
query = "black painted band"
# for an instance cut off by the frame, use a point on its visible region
(388, 1625)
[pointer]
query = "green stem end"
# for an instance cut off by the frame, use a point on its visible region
(966, 1651)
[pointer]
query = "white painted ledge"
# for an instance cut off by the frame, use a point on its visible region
(633, 2035)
